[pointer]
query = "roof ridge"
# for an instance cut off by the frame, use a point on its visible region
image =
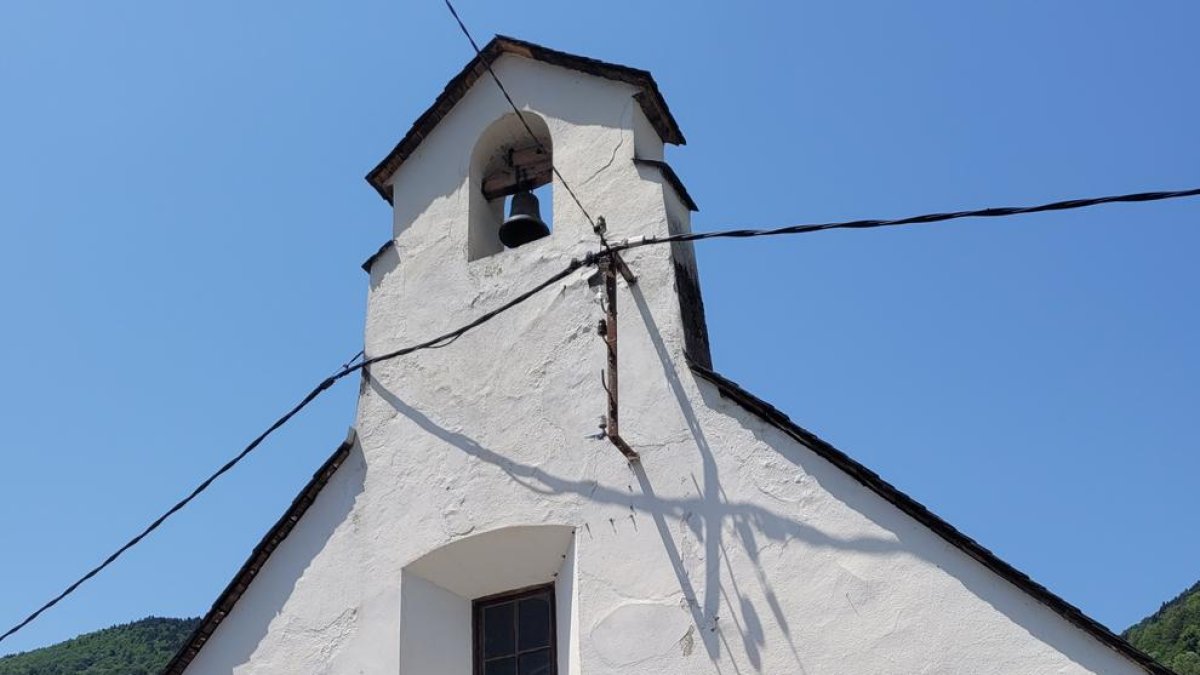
(649, 98)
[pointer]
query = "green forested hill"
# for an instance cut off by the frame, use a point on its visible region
(138, 648)
(1172, 634)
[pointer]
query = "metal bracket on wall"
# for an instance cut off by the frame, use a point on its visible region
(610, 266)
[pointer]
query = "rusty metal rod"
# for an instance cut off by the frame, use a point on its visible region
(609, 268)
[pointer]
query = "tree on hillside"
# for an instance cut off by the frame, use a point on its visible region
(138, 648)
(1172, 634)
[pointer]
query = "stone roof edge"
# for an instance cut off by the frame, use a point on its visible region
(650, 98)
(672, 179)
(258, 557)
(871, 480)
(387, 246)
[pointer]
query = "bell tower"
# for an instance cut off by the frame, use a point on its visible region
(488, 203)
(469, 234)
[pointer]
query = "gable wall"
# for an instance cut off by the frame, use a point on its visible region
(729, 549)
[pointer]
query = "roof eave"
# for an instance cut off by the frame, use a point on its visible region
(249, 570)
(914, 509)
(648, 97)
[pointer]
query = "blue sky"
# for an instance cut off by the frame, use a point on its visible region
(184, 213)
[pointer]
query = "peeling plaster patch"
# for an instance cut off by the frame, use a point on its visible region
(456, 521)
(326, 639)
(783, 483)
(656, 625)
(859, 592)
(688, 642)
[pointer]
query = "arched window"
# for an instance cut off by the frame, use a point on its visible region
(507, 163)
(501, 601)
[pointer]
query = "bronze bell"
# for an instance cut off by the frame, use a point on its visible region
(524, 223)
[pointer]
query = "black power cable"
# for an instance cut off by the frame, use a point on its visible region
(487, 64)
(575, 264)
(328, 382)
(636, 242)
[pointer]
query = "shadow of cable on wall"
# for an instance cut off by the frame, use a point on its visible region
(706, 516)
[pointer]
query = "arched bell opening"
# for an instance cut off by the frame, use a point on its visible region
(512, 178)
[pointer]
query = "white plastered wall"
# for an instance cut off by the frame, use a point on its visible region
(730, 549)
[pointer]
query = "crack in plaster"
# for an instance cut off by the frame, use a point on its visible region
(607, 164)
(628, 109)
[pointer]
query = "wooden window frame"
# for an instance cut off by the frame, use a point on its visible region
(479, 604)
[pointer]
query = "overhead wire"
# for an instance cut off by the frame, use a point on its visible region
(348, 368)
(608, 250)
(487, 64)
(359, 354)
(995, 212)
(354, 364)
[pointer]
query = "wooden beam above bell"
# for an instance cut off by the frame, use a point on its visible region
(528, 168)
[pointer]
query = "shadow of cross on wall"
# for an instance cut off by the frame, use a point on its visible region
(707, 515)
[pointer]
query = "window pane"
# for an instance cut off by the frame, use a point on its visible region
(534, 617)
(506, 666)
(536, 663)
(498, 634)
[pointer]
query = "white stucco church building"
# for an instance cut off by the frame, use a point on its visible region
(476, 522)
